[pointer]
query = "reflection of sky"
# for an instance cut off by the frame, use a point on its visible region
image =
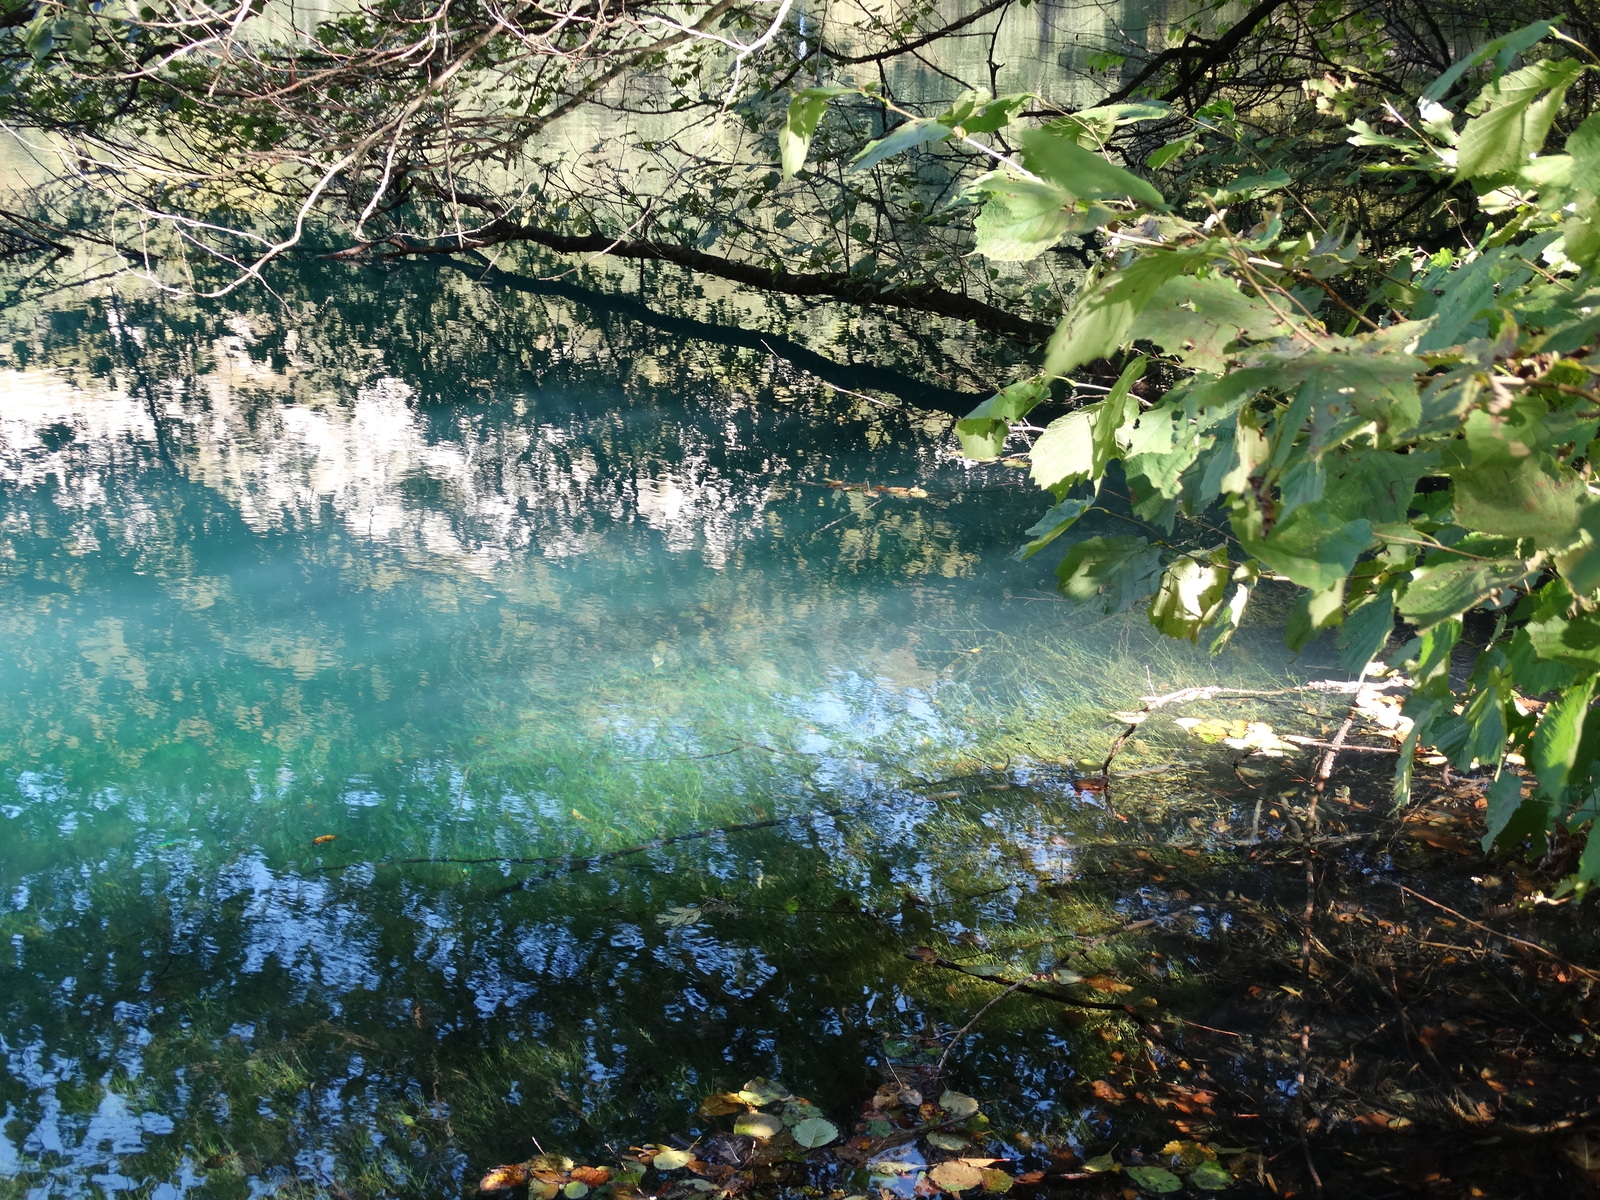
(246, 619)
(498, 492)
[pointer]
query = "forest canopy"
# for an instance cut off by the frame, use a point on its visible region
(1313, 281)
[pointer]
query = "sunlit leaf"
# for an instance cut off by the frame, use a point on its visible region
(958, 1105)
(758, 1125)
(902, 138)
(956, 1176)
(671, 1160)
(814, 1132)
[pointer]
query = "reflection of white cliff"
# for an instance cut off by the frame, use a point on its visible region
(470, 499)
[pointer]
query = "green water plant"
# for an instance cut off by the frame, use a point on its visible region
(1400, 438)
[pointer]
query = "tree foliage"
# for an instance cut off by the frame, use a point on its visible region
(1402, 435)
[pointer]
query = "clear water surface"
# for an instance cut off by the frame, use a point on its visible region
(343, 646)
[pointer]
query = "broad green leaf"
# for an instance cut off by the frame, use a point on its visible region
(1532, 497)
(1022, 219)
(958, 1105)
(974, 112)
(1441, 590)
(983, 431)
(805, 110)
(1213, 1177)
(1580, 566)
(903, 137)
(1575, 641)
(1079, 445)
(1313, 548)
(1099, 322)
(1054, 523)
(1556, 738)
(1190, 595)
(1502, 49)
(1115, 571)
(763, 1091)
(1195, 318)
(1155, 1179)
(1516, 114)
(1504, 797)
(758, 1125)
(1366, 631)
(1160, 158)
(1057, 158)
(1251, 187)
(814, 1132)
(671, 1160)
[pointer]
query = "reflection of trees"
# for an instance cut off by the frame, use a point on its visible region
(278, 535)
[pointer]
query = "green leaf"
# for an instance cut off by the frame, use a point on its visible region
(1441, 590)
(903, 137)
(1079, 445)
(763, 1091)
(757, 1125)
(1313, 548)
(982, 432)
(1556, 737)
(1155, 1179)
(1059, 159)
(1160, 158)
(1115, 571)
(975, 113)
(671, 1160)
(805, 111)
(1190, 595)
(958, 1105)
(1366, 631)
(814, 1132)
(1502, 49)
(1022, 219)
(1210, 1176)
(1532, 497)
(1098, 324)
(1196, 318)
(1054, 523)
(1517, 112)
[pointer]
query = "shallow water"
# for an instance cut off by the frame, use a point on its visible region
(344, 647)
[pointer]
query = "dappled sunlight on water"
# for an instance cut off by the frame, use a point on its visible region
(350, 735)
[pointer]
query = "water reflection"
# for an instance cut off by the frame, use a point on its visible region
(318, 645)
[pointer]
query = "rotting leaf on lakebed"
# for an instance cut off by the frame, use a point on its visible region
(902, 1147)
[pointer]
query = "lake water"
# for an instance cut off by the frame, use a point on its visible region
(344, 643)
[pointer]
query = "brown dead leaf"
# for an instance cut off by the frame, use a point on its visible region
(512, 1175)
(593, 1176)
(1103, 1090)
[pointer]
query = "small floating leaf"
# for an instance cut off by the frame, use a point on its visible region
(996, 1180)
(720, 1104)
(814, 1132)
(1155, 1179)
(956, 1176)
(576, 1190)
(324, 839)
(762, 1091)
(672, 1160)
(1210, 1176)
(509, 1176)
(1101, 1163)
(758, 1125)
(947, 1141)
(680, 914)
(957, 1105)
(558, 1164)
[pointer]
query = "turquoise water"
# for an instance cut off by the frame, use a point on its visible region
(344, 648)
